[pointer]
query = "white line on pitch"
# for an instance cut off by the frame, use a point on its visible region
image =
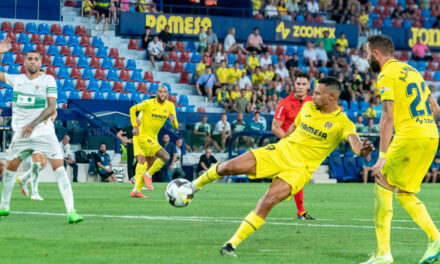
(210, 219)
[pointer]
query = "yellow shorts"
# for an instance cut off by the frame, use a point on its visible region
(146, 146)
(408, 161)
(272, 164)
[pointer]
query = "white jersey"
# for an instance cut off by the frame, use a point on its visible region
(29, 100)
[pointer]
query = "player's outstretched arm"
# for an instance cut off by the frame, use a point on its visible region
(45, 114)
(360, 148)
(434, 106)
(276, 129)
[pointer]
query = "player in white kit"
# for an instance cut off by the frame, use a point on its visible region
(34, 102)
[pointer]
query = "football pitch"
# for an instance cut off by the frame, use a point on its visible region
(120, 229)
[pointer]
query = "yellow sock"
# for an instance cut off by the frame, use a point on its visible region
(250, 224)
(207, 177)
(383, 213)
(417, 210)
(140, 169)
(157, 165)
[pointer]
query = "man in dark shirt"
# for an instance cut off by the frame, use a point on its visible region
(293, 62)
(206, 160)
(126, 136)
(165, 37)
(104, 165)
(165, 172)
(146, 38)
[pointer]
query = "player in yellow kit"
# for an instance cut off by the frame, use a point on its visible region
(404, 161)
(155, 112)
(318, 129)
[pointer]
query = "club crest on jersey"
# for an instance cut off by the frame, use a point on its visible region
(328, 125)
(383, 89)
(165, 111)
(36, 86)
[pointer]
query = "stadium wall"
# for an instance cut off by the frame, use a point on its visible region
(405, 38)
(31, 9)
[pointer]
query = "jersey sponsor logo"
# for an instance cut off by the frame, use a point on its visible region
(156, 116)
(328, 124)
(25, 100)
(36, 86)
(383, 89)
(279, 113)
(165, 111)
(308, 115)
(270, 147)
(313, 131)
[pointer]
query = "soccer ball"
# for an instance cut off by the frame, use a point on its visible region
(179, 192)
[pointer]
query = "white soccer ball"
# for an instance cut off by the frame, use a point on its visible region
(179, 192)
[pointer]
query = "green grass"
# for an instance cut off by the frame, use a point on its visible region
(26, 238)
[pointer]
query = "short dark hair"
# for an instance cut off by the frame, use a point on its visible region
(222, 114)
(382, 43)
(33, 51)
(102, 143)
(331, 83)
(301, 74)
(147, 27)
(208, 67)
(255, 28)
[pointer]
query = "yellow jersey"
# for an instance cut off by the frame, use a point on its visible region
(268, 75)
(253, 62)
(343, 44)
(316, 134)
(234, 75)
(402, 84)
(222, 74)
(154, 116)
(201, 68)
(235, 94)
(258, 78)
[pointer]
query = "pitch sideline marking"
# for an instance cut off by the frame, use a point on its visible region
(208, 219)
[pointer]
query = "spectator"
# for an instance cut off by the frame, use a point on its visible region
(325, 5)
(230, 44)
(165, 38)
(203, 131)
(283, 72)
(223, 98)
(104, 165)
(335, 70)
(67, 156)
(275, 86)
(269, 74)
(363, 22)
(367, 168)
(292, 7)
(166, 172)
(270, 10)
(219, 56)
(398, 12)
(252, 62)
(256, 6)
(282, 11)
(265, 60)
(321, 54)
(201, 66)
(434, 171)
(372, 128)
(241, 104)
(102, 7)
(258, 77)
(360, 127)
(343, 43)
(410, 12)
(212, 39)
(328, 43)
(222, 73)
(177, 169)
(234, 74)
(255, 42)
(125, 135)
(256, 125)
(203, 40)
(313, 7)
(240, 126)
(2, 118)
(360, 61)
(147, 37)
(248, 94)
(205, 83)
(419, 51)
(155, 52)
(113, 11)
(293, 63)
(310, 56)
(235, 93)
(206, 160)
(244, 80)
(88, 8)
(222, 131)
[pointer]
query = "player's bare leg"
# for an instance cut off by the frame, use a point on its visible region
(141, 167)
(8, 184)
(162, 157)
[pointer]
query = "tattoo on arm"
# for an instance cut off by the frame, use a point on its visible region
(386, 106)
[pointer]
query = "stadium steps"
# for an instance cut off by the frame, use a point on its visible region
(321, 175)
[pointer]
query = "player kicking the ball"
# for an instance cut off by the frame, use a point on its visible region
(318, 129)
(34, 102)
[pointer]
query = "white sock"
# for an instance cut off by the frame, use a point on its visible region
(35, 171)
(65, 188)
(25, 177)
(8, 185)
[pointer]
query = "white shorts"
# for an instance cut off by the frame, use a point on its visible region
(24, 147)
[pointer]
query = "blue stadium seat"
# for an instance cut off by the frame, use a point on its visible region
(63, 72)
(102, 52)
(112, 95)
(88, 74)
(136, 97)
(274, 59)
(68, 85)
(106, 86)
(78, 51)
(137, 75)
(61, 40)
(168, 86)
(437, 76)
(112, 75)
(374, 2)
(13, 69)
(412, 64)
(183, 100)
(23, 38)
(53, 50)
(31, 28)
(73, 41)
(2, 68)
(153, 88)
(123, 97)
(93, 85)
(97, 42)
(43, 29)
(290, 50)
(107, 63)
(354, 105)
(28, 47)
(364, 106)
(3, 35)
(58, 61)
(75, 95)
(146, 96)
(407, 24)
(426, 13)
(300, 18)
(196, 57)
(336, 166)
(179, 109)
(8, 95)
(190, 109)
(421, 66)
(190, 67)
(350, 166)
(191, 46)
(68, 30)
(387, 23)
(8, 58)
(131, 64)
(59, 84)
(351, 115)
(300, 50)
(428, 23)
(324, 70)
(374, 156)
(231, 58)
(62, 97)
(82, 62)
(99, 96)
(130, 87)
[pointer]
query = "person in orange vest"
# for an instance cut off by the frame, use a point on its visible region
(195, 6)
